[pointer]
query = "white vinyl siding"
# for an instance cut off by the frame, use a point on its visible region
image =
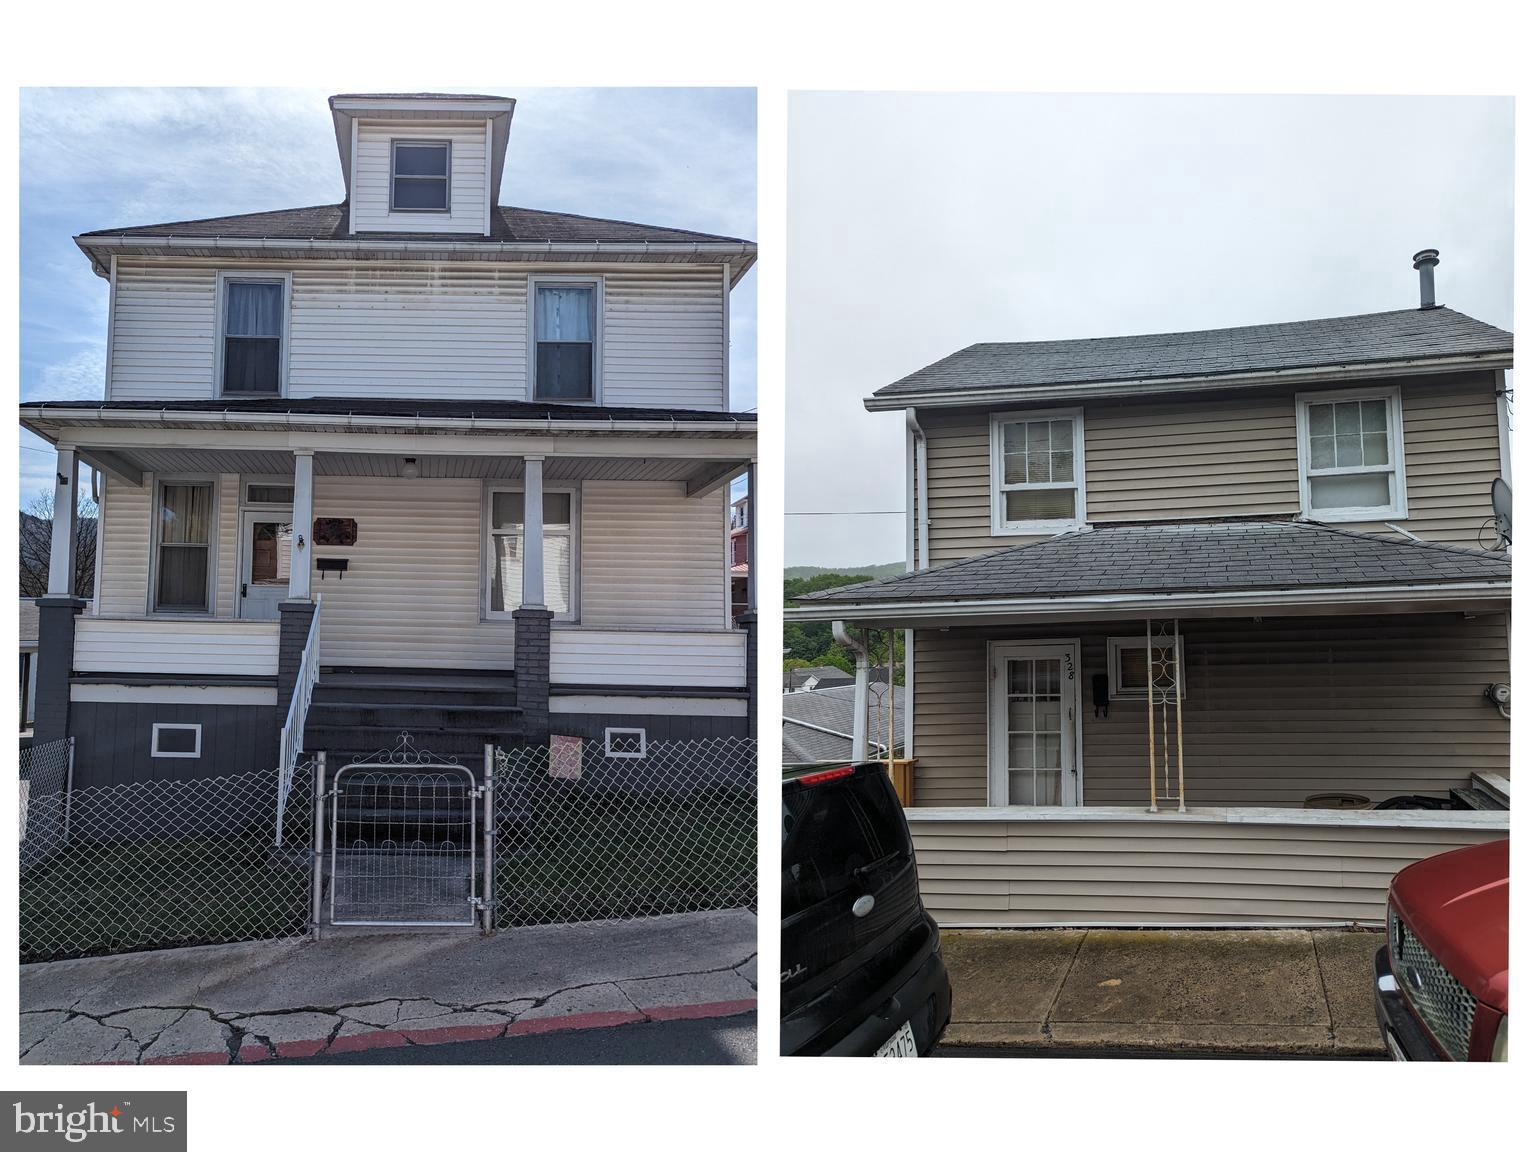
(619, 657)
(126, 528)
(371, 178)
(446, 331)
(176, 647)
(163, 332)
(411, 594)
(1203, 868)
(651, 555)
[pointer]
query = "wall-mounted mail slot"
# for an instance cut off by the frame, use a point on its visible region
(335, 530)
(328, 564)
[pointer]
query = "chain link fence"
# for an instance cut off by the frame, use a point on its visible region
(655, 829)
(45, 779)
(163, 864)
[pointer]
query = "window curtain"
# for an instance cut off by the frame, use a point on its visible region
(564, 314)
(254, 310)
(186, 522)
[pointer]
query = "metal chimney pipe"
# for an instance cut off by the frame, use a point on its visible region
(1425, 262)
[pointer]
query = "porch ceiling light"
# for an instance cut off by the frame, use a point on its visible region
(410, 470)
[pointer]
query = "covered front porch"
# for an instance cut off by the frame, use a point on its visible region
(1189, 742)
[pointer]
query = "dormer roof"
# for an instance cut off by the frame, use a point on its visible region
(347, 107)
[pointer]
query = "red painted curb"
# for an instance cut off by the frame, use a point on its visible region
(396, 1037)
(700, 1011)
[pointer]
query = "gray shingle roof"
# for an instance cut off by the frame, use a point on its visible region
(1181, 558)
(329, 222)
(1376, 337)
(28, 623)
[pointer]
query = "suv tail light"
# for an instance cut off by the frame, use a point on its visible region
(823, 777)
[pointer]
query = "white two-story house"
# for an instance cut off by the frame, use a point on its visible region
(468, 464)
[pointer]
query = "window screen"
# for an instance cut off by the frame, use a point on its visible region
(419, 177)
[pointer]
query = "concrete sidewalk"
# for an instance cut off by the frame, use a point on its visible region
(1298, 992)
(249, 1003)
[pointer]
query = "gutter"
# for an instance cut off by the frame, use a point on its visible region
(969, 397)
(917, 438)
(87, 416)
(171, 245)
(1136, 604)
(860, 689)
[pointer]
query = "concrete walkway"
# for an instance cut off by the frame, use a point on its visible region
(250, 1003)
(1305, 992)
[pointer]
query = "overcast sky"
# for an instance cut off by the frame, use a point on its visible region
(98, 158)
(920, 224)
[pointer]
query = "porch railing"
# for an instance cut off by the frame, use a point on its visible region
(291, 747)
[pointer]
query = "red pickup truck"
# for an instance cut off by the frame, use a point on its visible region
(1442, 980)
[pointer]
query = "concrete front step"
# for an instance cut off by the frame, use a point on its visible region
(408, 717)
(343, 743)
(432, 695)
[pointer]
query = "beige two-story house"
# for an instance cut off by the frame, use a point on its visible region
(1202, 627)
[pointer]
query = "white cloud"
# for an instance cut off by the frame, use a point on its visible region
(81, 377)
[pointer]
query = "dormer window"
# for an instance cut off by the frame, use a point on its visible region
(418, 176)
(565, 339)
(251, 350)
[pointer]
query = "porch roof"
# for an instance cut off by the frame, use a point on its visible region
(1153, 568)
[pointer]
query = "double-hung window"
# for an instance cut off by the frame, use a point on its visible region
(1127, 659)
(418, 175)
(252, 352)
(183, 552)
(1037, 472)
(1350, 446)
(505, 551)
(565, 341)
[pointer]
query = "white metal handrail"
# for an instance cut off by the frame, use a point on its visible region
(291, 747)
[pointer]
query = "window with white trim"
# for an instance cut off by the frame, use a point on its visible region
(251, 349)
(504, 551)
(418, 175)
(176, 741)
(1350, 449)
(183, 547)
(1128, 665)
(1037, 472)
(624, 743)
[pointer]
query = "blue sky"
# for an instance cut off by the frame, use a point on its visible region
(98, 158)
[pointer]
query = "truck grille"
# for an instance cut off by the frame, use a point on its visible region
(1438, 997)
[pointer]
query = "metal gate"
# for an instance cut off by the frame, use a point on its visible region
(403, 829)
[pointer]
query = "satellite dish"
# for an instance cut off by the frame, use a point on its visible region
(1503, 510)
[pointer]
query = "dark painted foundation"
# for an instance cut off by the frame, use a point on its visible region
(589, 726)
(112, 741)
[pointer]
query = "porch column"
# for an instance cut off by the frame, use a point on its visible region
(61, 555)
(533, 532)
(303, 524)
(752, 538)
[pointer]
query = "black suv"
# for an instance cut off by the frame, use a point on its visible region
(862, 974)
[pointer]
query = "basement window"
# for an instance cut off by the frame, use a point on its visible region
(176, 741)
(1350, 452)
(624, 743)
(418, 175)
(1128, 665)
(1037, 472)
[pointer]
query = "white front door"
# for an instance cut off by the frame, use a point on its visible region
(1032, 720)
(266, 550)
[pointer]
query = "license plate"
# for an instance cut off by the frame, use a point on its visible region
(1394, 1049)
(901, 1044)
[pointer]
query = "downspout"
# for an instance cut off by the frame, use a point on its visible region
(860, 690)
(920, 440)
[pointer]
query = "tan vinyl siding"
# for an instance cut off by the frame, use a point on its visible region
(227, 578)
(1232, 454)
(1274, 711)
(400, 331)
(651, 556)
(1193, 870)
(371, 178)
(162, 332)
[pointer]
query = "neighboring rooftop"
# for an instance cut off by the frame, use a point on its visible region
(28, 627)
(1406, 336)
(1182, 558)
(818, 725)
